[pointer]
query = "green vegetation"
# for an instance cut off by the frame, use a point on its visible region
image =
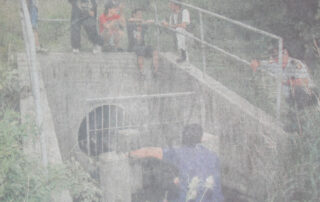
(10, 41)
(22, 178)
(301, 182)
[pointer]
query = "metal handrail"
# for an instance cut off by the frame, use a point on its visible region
(203, 42)
(280, 46)
(151, 96)
(227, 19)
(53, 20)
(29, 40)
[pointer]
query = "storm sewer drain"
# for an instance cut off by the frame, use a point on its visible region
(98, 130)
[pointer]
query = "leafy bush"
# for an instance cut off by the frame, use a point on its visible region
(24, 179)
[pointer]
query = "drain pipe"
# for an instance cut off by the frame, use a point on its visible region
(29, 40)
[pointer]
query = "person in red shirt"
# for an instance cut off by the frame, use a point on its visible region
(112, 24)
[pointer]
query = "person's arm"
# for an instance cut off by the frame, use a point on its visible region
(142, 21)
(182, 25)
(135, 20)
(167, 22)
(122, 21)
(185, 19)
(108, 25)
(267, 65)
(148, 22)
(254, 65)
(299, 82)
(93, 12)
(155, 152)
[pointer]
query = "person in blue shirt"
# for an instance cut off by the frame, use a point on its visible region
(33, 12)
(199, 169)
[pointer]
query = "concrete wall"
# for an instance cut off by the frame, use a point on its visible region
(72, 79)
(27, 110)
(250, 141)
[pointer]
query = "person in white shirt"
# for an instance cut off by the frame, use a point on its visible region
(295, 76)
(298, 88)
(179, 20)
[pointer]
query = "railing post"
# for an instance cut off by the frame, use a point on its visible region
(157, 23)
(203, 51)
(34, 74)
(279, 96)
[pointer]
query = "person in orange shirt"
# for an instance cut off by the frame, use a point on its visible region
(111, 25)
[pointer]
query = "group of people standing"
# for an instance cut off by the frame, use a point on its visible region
(113, 27)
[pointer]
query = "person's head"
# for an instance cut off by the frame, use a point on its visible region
(285, 52)
(274, 53)
(285, 57)
(137, 13)
(110, 8)
(175, 7)
(192, 135)
(118, 3)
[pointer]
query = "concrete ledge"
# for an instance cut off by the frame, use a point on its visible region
(233, 98)
(27, 109)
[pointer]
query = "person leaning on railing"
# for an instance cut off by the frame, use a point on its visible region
(179, 20)
(298, 88)
(84, 13)
(137, 28)
(33, 11)
(297, 85)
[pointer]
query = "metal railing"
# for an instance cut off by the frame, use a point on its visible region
(123, 120)
(31, 55)
(164, 95)
(205, 44)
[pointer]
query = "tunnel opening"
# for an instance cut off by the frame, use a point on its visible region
(98, 130)
(108, 131)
